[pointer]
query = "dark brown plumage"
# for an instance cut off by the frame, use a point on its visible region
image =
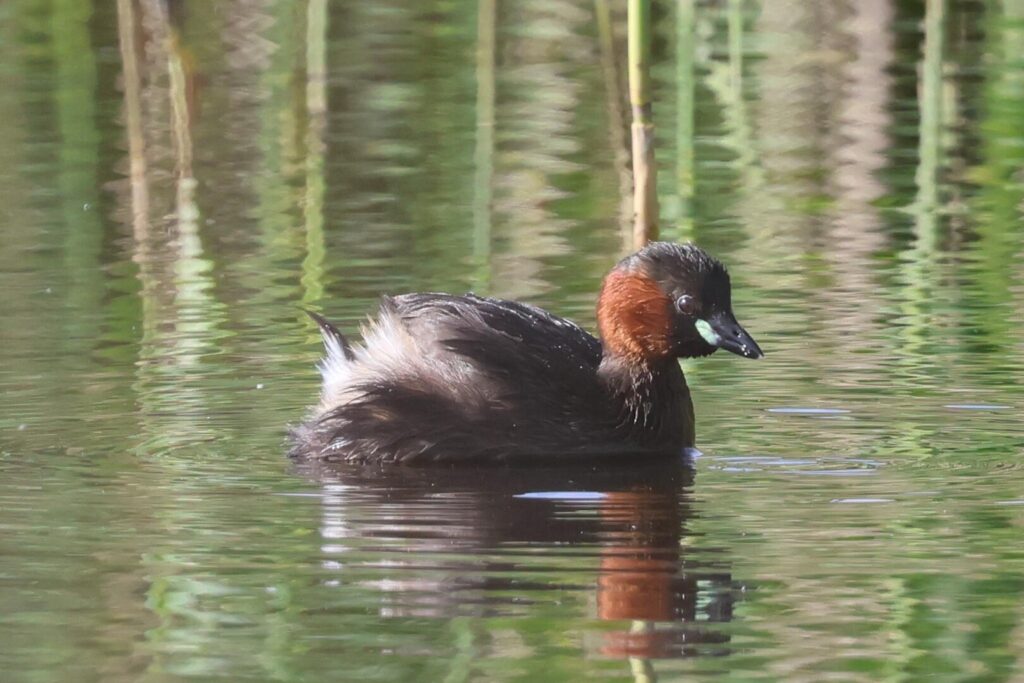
(443, 378)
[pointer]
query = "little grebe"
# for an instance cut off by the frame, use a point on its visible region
(451, 379)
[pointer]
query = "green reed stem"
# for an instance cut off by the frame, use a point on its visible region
(645, 196)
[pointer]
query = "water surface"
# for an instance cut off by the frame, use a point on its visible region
(177, 180)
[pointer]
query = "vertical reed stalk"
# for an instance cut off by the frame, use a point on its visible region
(316, 147)
(195, 310)
(127, 30)
(920, 262)
(142, 248)
(929, 140)
(684, 114)
(645, 197)
(483, 156)
(181, 126)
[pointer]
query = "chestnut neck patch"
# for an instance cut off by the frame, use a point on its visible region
(634, 317)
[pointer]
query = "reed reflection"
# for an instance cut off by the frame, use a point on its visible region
(487, 542)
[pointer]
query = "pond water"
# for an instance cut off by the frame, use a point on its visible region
(178, 179)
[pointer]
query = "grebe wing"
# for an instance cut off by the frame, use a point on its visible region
(449, 378)
(499, 335)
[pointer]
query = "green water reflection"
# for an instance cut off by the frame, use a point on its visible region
(178, 178)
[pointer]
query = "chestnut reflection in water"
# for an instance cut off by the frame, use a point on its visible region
(492, 541)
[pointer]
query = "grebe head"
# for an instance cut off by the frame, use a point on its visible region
(670, 301)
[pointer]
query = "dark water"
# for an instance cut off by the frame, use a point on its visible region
(175, 181)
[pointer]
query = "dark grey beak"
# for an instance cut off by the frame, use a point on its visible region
(723, 331)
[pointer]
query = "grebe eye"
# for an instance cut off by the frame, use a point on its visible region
(686, 305)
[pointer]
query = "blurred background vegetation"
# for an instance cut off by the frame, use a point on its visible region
(177, 178)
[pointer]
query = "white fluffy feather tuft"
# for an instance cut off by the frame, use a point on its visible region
(391, 352)
(386, 345)
(334, 368)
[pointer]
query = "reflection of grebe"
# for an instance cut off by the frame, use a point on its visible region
(466, 379)
(488, 542)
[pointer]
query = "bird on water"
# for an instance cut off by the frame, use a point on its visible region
(468, 379)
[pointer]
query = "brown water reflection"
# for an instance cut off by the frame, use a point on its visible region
(478, 541)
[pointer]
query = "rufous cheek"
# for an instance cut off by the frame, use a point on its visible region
(634, 316)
